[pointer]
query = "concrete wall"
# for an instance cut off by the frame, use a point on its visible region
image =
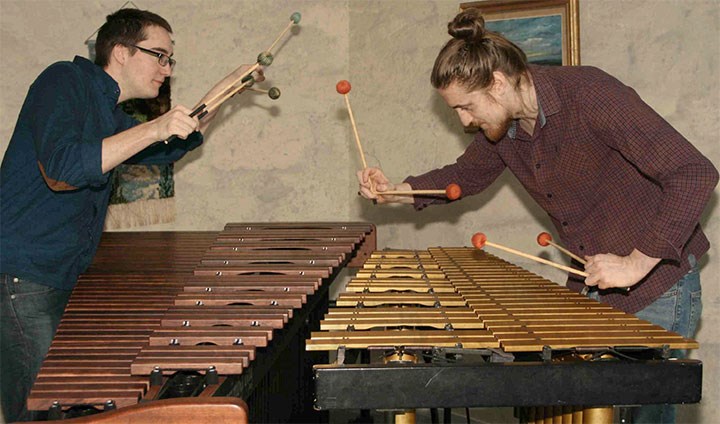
(295, 159)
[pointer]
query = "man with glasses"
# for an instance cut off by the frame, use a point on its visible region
(55, 179)
(163, 58)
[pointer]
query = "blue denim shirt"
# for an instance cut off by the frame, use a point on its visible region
(50, 225)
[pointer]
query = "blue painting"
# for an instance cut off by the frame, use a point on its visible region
(540, 37)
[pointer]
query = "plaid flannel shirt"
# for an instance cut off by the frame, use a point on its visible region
(611, 173)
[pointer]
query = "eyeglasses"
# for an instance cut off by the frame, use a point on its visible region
(162, 58)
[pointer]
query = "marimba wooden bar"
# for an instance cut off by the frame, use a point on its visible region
(458, 327)
(169, 315)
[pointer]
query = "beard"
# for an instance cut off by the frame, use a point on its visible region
(496, 133)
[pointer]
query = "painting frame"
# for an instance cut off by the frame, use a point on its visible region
(495, 10)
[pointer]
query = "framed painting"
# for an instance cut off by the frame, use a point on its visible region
(548, 31)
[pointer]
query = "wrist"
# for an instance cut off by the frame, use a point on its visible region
(643, 263)
(408, 200)
(151, 131)
(403, 187)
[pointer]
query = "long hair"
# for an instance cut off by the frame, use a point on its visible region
(474, 53)
(125, 27)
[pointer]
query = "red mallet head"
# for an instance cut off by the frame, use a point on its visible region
(478, 240)
(343, 87)
(544, 239)
(453, 191)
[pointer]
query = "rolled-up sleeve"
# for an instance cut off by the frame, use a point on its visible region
(68, 157)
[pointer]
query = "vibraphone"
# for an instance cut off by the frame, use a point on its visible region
(458, 327)
(167, 315)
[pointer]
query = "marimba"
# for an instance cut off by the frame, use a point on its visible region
(459, 327)
(168, 315)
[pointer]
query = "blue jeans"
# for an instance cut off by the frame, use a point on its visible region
(677, 310)
(30, 314)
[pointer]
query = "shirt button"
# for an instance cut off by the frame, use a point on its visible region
(16, 280)
(12, 296)
(549, 195)
(581, 247)
(537, 166)
(565, 223)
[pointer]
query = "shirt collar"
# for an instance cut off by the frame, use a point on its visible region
(101, 79)
(545, 94)
(512, 131)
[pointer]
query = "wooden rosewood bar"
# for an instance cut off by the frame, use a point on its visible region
(163, 316)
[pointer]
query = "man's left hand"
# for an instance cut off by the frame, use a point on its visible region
(608, 270)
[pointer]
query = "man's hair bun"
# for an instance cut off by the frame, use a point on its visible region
(469, 26)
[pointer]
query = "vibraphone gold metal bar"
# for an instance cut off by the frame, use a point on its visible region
(459, 327)
(167, 315)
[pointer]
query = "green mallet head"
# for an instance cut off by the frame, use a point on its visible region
(274, 93)
(248, 80)
(265, 58)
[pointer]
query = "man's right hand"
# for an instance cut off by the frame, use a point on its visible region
(373, 183)
(176, 121)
